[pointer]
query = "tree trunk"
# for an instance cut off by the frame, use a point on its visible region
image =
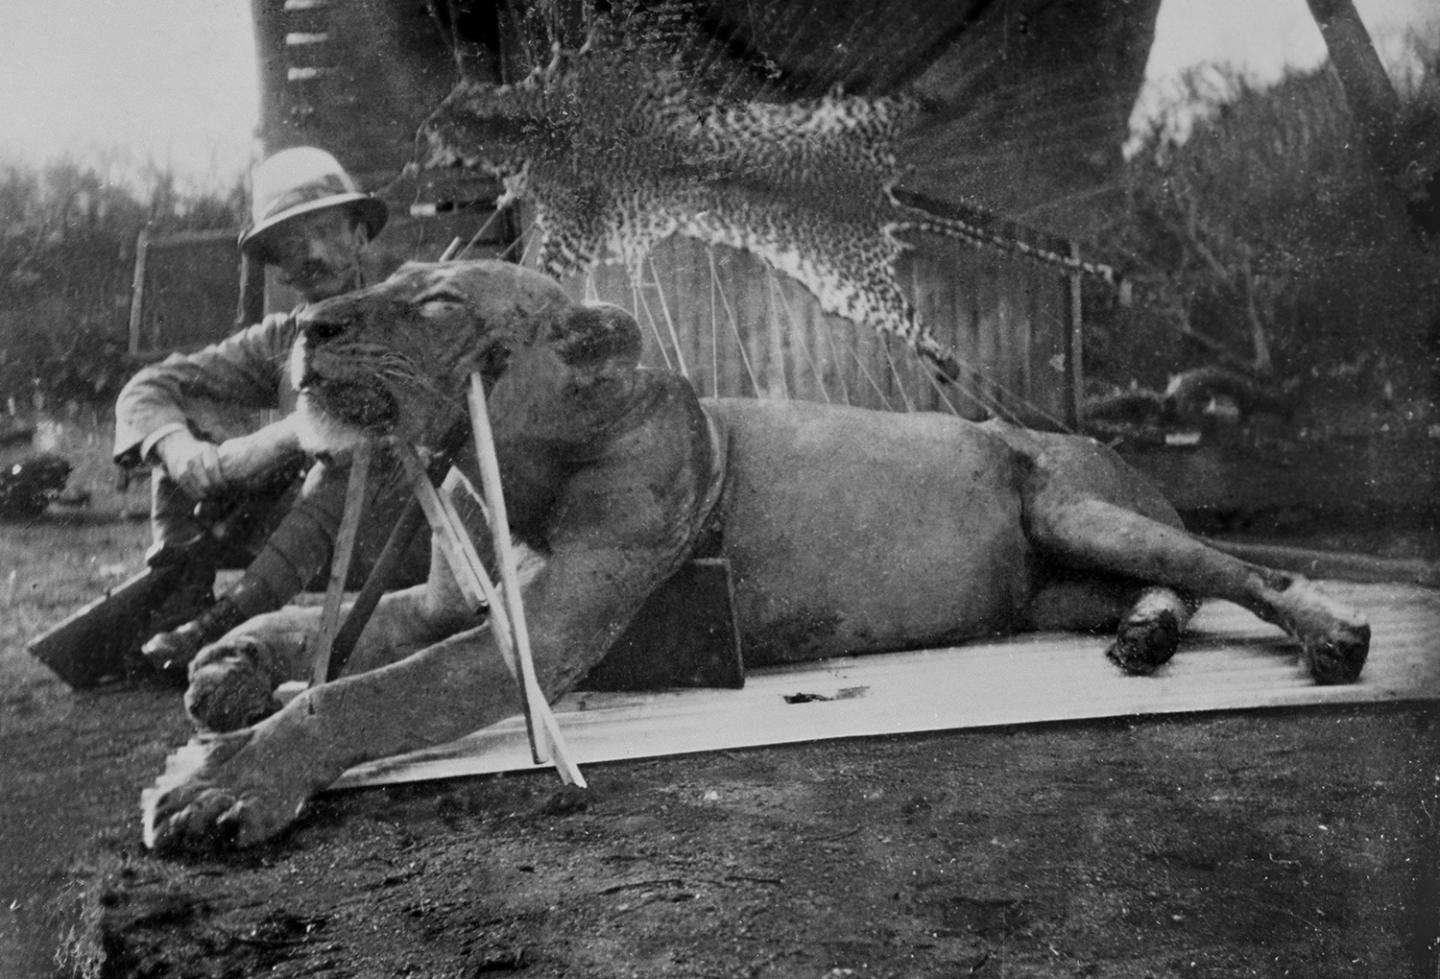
(1367, 87)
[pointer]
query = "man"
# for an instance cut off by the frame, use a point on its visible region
(187, 417)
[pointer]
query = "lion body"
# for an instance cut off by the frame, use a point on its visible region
(825, 563)
(854, 531)
(847, 531)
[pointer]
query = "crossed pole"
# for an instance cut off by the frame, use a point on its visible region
(507, 611)
(504, 602)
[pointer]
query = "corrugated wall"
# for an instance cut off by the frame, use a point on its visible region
(738, 329)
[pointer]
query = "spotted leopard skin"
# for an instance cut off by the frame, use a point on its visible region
(617, 150)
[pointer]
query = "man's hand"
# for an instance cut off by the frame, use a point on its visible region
(193, 463)
(204, 469)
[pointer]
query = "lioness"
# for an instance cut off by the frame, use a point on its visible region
(848, 531)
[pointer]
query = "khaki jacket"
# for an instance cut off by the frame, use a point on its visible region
(218, 392)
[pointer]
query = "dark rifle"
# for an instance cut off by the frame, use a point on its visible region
(101, 642)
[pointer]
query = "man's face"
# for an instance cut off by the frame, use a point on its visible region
(319, 255)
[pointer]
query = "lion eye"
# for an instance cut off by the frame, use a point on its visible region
(437, 303)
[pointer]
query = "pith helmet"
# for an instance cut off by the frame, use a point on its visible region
(299, 181)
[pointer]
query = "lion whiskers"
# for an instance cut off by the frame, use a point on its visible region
(321, 432)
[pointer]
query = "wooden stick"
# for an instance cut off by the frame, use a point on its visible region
(387, 565)
(547, 744)
(457, 550)
(459, 553)
(340, 560)
(137, 289)
(467, 569)
(411, 519)
(455, 480)
(500, 530)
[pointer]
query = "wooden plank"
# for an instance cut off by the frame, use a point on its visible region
(750, 312)
(1074, 386)
(800, 321)
(1229, 661)
(1016, 320)
(869, 383)
(932, 291)
(1045, 366)
(690, 283)
(743, 330)
(815, 326)
(779, 364)
(988, 328)
(660, 293)
(973, 262)
(687, 293)
(830, 336)
(913, 372)
(1017, 300)
(962, 265)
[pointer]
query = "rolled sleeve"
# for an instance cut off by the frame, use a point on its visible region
(246, 371)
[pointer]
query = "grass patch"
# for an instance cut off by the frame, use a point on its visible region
(52, 564)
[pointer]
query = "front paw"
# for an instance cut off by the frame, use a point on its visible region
(215, 796)
(232, 684)
(1338, 656)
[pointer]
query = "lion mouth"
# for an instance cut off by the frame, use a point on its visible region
(356, 403)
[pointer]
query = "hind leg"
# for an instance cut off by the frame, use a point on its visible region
(1084, 532)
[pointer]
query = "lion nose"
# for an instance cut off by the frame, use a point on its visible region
(319, 331)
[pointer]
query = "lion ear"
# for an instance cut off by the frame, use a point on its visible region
(598, 338)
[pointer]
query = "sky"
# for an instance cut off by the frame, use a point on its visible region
(125, 82)
(1264, 38)
(119, 83)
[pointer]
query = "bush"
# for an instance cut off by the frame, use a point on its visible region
(1265, 238)
(67, 249)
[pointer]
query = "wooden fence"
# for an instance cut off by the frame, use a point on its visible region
(184, 291)
(721, 317)
(736, 328)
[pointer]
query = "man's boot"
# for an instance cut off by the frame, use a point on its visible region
(172, 651)
(291, 556)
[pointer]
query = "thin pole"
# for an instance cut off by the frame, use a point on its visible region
(1074, 384)
(480, 592)
(500, 529)
(137, 288)
(340, 562)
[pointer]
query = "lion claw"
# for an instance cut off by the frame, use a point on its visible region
(206, 821)
(188, 809)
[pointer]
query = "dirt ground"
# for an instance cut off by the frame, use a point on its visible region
(1300, 843)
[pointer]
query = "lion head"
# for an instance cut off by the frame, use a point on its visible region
(395, 359)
